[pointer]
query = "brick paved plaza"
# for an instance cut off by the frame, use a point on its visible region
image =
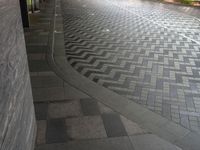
(140, 50)
(115, 75)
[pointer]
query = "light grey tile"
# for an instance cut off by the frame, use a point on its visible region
(64, 109)
(88, 127)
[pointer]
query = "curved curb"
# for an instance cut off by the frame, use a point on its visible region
(147, 119)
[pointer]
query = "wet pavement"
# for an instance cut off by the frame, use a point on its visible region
(141, 50)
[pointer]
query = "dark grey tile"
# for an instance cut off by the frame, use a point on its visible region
(36, 49)
(41, 111)
(56, 131)
(46, 81)
(113, 125)
(48, 94)
(38, 66)
(89, 107)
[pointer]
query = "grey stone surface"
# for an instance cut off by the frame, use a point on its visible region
(17, 119)
(87, 127)
(120, 143)
(189, 142)
(41, 111)
(132, 128)
(64, 109)
(73, 93)
(89, 107)
(46, 81)
(151, 142)
(38, 65)
(48, 94)
(113, 125)
(104, 109)
(55, 132)
(41, 132)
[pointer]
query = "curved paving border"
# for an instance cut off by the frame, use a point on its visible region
(153, 122)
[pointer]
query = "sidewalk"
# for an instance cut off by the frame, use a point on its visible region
(68, 118)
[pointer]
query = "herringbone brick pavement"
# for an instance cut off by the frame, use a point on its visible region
(145, 53)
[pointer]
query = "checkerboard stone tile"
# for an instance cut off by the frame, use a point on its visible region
(46, 81)
(131, 127)
(87, 127)
(55, 132)
(64, 109)
(41, 111)
(41, 132)
(104, 109)
(154, 61)
(68, 120)
(89, 107)
(113, 125)
(48, 94)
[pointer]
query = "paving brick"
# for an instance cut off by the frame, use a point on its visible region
(88, 127)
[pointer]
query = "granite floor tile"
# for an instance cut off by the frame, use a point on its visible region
(64, 109)
(41, 111)
(151, 142)
(41, 132)
(34, 49)
(113, 125)
(48, 94)
(56, 131)
(38, 66)
(38, 56)
(88, 127)
(89, 107)
(46, 81)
